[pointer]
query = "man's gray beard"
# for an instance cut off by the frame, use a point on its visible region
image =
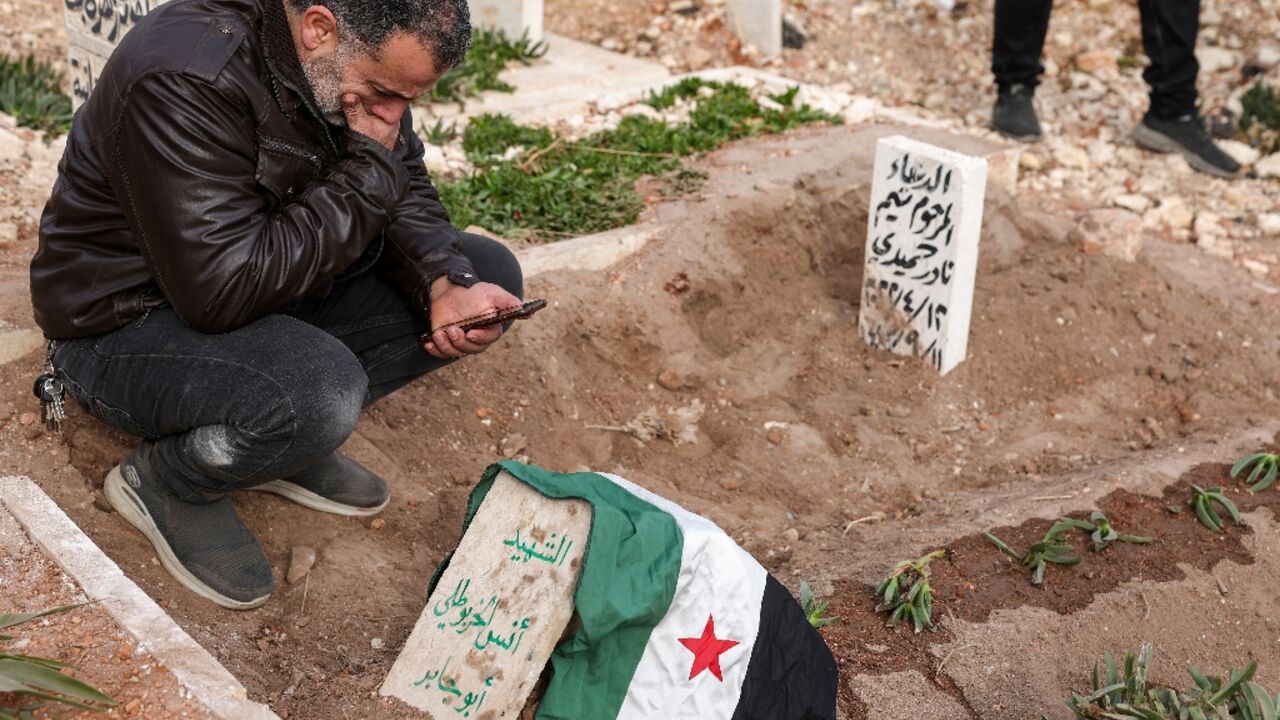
(324, 75)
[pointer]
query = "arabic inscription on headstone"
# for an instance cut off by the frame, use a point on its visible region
(498, 610)
(923, 227)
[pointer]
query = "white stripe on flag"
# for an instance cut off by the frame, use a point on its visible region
(717, 579)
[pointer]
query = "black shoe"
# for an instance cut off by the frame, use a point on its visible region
(1188, 136)
(205, 547)
(335, 485)
(1014, 116)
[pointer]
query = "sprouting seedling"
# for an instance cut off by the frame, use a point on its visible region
(1202, 501)
(907, 594)
(1123, 692)
(815, 610)
(1099, 528)
(1266, 467)
(1040, 555)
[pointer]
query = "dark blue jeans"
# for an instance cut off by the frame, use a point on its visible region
(1169, 29)
(231, 411)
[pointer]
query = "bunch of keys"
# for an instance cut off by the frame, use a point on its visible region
(50, 390)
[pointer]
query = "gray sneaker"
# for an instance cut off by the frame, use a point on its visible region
(205, 547)
(1186, 135)
(337, 485)
(1014, 114)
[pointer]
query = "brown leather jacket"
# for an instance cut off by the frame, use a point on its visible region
(200, 175)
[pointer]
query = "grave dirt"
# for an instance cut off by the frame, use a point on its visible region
(724, 365)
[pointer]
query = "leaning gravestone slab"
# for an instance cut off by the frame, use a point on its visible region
(498, 610)
(924, 222)
(94, 29)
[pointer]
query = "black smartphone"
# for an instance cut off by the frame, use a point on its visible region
(524, 311)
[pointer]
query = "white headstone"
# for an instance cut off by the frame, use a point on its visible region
(513, 17)
(758, 23)
(94, 29)
(923, 226)
(499, 609)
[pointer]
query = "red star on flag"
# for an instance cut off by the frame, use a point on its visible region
(707, 650)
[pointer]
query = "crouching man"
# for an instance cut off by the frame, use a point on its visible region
(243, 250)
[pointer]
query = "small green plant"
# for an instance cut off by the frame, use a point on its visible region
(1049, 551)
(1099, 529)
(1260, 119)
(441, 134)
(532, 182)
(42, 678)
(906, 592)
(814, 609)
(1266, 466)
(491, 52)
(31, 92)
(1122, 693)
(1203, 501)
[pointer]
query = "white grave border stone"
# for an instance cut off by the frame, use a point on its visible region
(923, 227)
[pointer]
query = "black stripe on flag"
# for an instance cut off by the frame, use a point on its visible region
(792, 675)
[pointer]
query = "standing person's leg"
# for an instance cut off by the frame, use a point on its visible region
(1018, 41)
(219, 413)
(1172, 124)
(1169, 30)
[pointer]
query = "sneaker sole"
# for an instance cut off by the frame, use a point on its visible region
(1028, 139)
(130, 507)
(1147, 138)
(308, 499)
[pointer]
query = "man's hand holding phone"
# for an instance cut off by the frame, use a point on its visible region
(453, 305)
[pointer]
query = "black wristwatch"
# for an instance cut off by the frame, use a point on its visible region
(462, 277)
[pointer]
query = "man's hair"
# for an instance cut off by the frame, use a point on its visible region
(442, 26)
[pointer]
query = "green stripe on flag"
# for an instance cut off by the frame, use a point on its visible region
(626, 585)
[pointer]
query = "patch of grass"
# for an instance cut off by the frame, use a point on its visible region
(553, 187)
(491, 52)
(1099, 529)
(1203, 502)
(1039, 556)
(42, 678)
(1260, 119)
(1266, 466)
(1124, 692)
(32, 92)
(815, 610)
(906, 592)
(441, 134)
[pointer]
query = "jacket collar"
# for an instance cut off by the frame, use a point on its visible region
(282, 57)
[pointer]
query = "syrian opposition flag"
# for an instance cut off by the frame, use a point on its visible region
(678, 621)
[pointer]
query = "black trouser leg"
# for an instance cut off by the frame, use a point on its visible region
(1020, 29)
(239, 409)
(1169, 29)
(380, 328)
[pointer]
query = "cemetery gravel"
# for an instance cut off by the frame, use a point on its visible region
(725, 363)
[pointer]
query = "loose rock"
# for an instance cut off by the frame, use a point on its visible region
(1111, 232)
(301, 560)
(512, 445)
(1268, 166)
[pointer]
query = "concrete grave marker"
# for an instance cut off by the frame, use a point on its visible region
(499, 609)
(758, 23)
(513, 17)
(94, 29)
(923, 227)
